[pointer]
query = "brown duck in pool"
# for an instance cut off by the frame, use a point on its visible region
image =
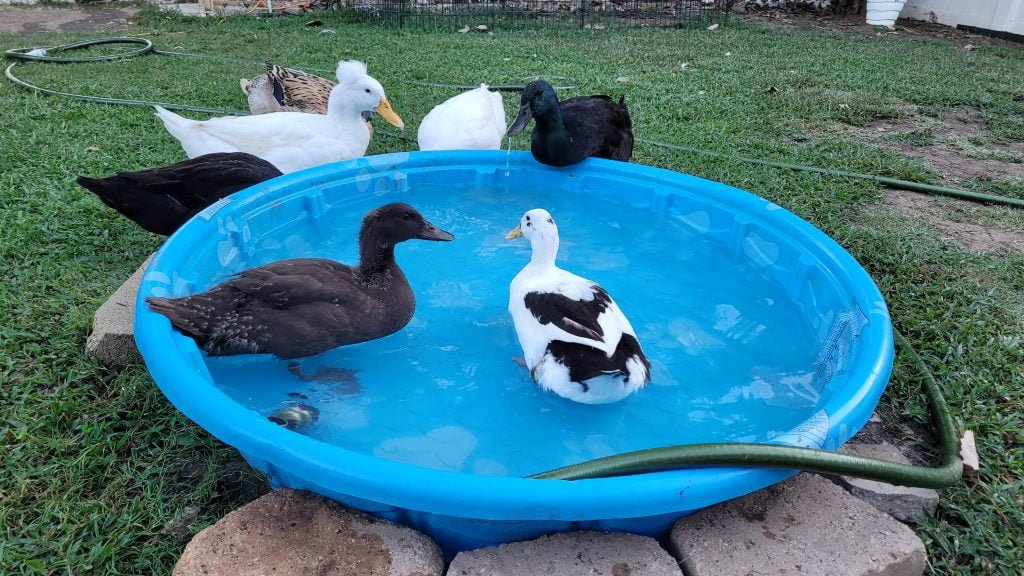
(304, 306)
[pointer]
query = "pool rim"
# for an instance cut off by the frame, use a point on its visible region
(389, 483)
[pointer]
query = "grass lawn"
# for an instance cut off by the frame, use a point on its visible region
(100, 475)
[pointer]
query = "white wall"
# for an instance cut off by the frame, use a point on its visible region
(1003, 15)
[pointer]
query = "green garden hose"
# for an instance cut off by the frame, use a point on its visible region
(44, 55)
(892, 182)
(791, 457)
(671, 457)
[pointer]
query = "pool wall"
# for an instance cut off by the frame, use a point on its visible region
(464, 511)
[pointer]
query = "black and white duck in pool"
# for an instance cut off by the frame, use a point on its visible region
(575, 339)
(570, 131)
(304, 306)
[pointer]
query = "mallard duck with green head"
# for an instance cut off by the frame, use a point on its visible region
(570, 131)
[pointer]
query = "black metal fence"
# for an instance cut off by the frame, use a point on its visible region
(470, 15)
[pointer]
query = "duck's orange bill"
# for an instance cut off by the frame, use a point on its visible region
(384, 109)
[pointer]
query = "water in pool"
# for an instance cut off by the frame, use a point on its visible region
(731, 354)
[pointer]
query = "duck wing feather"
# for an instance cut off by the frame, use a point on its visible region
(259, 133)
(578, 317)
(600, 126)
(300, 281)
(291, 309)
(300, 91)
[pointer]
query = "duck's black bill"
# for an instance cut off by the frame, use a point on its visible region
(431, 232)
(525, 114)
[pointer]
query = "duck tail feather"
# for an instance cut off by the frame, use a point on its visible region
(170, 308)
(110, 194)
(94, 185)
(625, 110)
(171, 120)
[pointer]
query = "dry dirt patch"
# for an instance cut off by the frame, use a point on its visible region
(968, 235)
(796, 18)
(943, 143)
(946, 153)
(23, 20)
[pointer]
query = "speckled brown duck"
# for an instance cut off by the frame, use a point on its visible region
(283, 89)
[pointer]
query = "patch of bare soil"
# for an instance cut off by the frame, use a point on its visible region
(944, 153)
(914, 440)
(236, 482)
(941, 145)
(968, 235)
(26, 20)
(856, 24)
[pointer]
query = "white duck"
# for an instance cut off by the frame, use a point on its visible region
(575, 340)
(473, 120)
(294, 140)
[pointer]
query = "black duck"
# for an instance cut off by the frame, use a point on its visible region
(304, 306)
(162, 199)
(573, 130)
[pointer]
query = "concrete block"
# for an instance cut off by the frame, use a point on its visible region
(296, 533)
(904, 503)
(569, 554)
(186, 9)
(805, 525)
(112, 341)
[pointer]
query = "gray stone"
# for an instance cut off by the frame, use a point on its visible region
(904, 503)
(805, 525)
(296, 533)
(112, 341)
(569, 554)
(186, 9)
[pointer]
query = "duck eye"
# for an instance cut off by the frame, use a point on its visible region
(408, 216)
(550, 221)
(367, 90)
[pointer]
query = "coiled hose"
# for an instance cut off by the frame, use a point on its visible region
(670, 457)
(792, 457)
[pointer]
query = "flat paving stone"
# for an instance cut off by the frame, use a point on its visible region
(569, 554)
(904, 503)
(805, 525)
(112, 341)
(297, 533)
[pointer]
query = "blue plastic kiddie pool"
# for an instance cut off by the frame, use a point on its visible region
(759, 328)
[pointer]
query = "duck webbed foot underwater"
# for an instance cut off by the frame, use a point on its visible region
(345, 379)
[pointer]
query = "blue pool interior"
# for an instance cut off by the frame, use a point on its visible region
(752, 327)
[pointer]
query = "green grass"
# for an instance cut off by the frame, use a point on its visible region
(100, 475)
(916, 137)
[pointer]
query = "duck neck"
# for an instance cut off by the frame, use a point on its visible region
(551, 125)
(545, 249)
(376, 253)
(341, 109)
